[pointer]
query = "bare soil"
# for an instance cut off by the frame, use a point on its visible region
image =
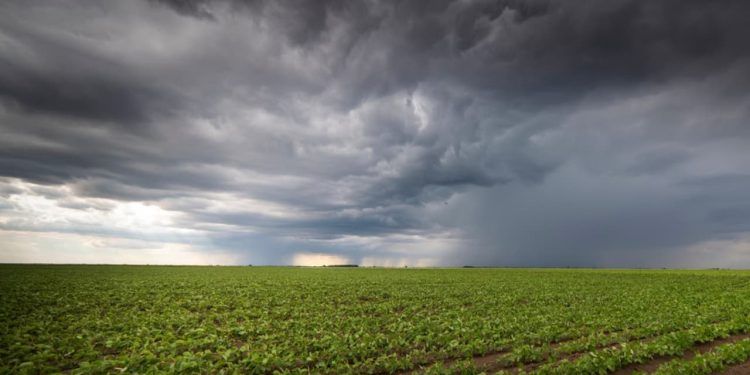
(489, 362)
(653, 364)
(741, 369)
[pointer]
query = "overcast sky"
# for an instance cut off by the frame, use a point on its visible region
(608, 133)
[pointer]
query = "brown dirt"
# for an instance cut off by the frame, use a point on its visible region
(653, 364)
(488, 362)
(529, 367)
(741, 369)
(484, 361)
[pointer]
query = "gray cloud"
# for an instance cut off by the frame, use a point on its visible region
(512, 132)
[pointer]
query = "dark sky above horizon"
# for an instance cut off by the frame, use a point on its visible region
(607, 133)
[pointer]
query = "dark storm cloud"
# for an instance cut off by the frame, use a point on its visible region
(63, 78)
(321, 121)
(81, 97)
(198, 9)
(322, 228)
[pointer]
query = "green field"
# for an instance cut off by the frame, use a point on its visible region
(112, 319)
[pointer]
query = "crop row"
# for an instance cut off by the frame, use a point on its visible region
(673, 344)
(104, 319)
(708, 363)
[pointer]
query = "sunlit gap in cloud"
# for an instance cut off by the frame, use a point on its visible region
(49, 224)
(318, 259)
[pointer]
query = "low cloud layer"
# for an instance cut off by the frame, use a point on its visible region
(522, 133)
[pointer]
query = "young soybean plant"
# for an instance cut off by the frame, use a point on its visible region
(258, 320)
(711, 362)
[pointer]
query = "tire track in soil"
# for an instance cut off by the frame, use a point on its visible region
(646, 367)
(485, 359)
(741, 369)
(701, 348)
(489, 362)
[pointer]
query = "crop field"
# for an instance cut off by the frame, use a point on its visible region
(151, 319)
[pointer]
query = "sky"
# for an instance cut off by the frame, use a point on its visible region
(545, 133)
